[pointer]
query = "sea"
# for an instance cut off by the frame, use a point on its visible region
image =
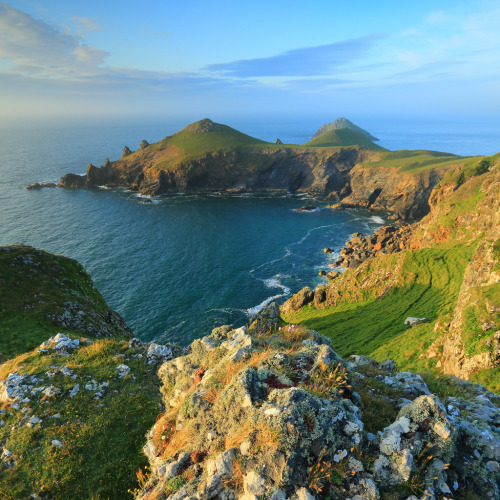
(185, 263)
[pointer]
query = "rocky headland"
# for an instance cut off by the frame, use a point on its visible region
(381, 384)
(342, 163)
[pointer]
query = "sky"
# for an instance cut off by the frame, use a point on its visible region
(221, 58)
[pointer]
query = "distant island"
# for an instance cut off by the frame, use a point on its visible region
(341, 162)
(343, 123)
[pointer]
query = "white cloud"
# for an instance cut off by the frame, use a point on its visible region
(86, 25)
(43, 48)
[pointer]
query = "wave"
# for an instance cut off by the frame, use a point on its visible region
(287, 254)
(273, 282)
(377, 219)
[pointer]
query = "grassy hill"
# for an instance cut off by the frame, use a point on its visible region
(197, 140)
(40, 293)
(343, 123)
(343, 137)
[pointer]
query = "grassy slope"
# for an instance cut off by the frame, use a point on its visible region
(415, 161)
(369, 319)
(102, 445)
(374, 326)
(102, 439)
(33, 286)
(343, 137)
(195, 141)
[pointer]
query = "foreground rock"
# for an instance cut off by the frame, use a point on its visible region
(279, 416)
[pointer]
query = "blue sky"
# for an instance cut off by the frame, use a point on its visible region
(223, 58)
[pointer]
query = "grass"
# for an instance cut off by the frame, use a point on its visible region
(197, 140)
(370, 320)
(34, 285)
(343, 137)
(102, 439)
(415, 161)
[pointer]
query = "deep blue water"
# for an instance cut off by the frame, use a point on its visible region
(179, 266)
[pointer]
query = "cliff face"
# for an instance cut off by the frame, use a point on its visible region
(337, 172)
(406, 194)
(445, 268)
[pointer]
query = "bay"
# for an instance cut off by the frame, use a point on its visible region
(179, 266)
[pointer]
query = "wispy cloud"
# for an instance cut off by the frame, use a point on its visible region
(36, 47)
(307, 61)
(86, 25)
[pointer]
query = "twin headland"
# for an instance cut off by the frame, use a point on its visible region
(381, 384)
(341, 162)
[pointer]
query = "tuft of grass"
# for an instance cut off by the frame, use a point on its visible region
(102, 439)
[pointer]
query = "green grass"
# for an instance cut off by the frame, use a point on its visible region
(365, 323)
(102, 445)
(31, 292)
(197, 140)
(343, 137)
(474, 167)
(415, 161)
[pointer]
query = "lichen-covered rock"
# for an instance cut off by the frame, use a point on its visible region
(274, 415)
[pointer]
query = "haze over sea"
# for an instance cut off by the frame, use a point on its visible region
(179, 266)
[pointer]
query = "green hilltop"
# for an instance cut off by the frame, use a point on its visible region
(343, 137)
(343, 123)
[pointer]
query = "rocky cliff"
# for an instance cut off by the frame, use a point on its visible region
(206, 156)
(277, 413)
(445, 268)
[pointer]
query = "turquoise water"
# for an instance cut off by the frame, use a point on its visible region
(179, 266)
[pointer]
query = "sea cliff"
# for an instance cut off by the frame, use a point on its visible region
(342, 164)
(355, 390)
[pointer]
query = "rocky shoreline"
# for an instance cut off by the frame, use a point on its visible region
(337, 172)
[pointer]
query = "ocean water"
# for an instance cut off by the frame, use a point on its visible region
(179, 266)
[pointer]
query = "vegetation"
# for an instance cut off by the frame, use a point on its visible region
(34, 288)
(101, 438)
(415, 161)
(369, 320)
(343, 137)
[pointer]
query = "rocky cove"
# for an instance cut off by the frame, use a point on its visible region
(360, 406)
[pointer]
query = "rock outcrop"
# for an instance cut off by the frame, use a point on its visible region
(280, 415)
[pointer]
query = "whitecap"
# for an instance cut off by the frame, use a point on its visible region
(377, 219)
(252, 311)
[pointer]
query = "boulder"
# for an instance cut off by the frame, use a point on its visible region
(411, 321)
(300, 299)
